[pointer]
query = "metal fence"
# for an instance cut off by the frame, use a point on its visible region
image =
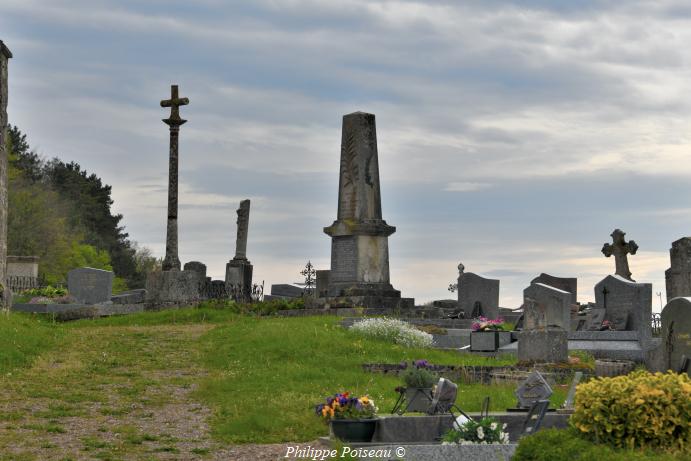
(656, 323)
(218, 289)
(17, 283)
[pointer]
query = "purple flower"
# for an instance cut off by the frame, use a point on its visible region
(403, 365)
(421, 363)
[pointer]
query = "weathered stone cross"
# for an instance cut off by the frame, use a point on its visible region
(174, 103)
(171, 261)
(620, 248)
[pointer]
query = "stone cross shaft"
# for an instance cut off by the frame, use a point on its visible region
(172, 261)
(243, 227)
(620, 248)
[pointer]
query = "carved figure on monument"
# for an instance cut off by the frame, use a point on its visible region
(620, 248)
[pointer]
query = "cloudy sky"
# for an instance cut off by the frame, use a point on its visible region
(513, 137)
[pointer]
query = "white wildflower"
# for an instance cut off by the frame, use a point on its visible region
(493, 426)
(480, 433)
(394, 330)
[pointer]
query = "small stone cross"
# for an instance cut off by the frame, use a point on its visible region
(174, 103)
(620, 248)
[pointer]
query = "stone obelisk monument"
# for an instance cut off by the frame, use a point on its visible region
(171, 261)
(359, 237)
(239, 269)
(5, 294)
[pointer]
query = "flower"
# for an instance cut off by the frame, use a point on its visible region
(480, 433)
(493, 426)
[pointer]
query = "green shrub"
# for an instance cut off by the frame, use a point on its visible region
(567, 445)
(45, 292)
(637, 410)
(255, 308)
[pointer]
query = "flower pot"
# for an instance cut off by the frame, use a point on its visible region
(418, 398)
(354, 430)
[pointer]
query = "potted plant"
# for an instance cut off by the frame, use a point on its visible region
(418, 379)
(488, 334)
(485, 431)
(352, 419)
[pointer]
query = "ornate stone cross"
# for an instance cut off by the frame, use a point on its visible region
(171, 261)
(620, 248)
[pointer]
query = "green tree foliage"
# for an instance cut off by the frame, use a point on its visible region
(63, 214)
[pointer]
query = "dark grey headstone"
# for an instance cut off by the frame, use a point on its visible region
(285, 290)
(545, 306)
(531, 390)
(621, 297)
(548, 345)
(323, 279)
(472, 289)
(196, 266)
(173, 287)
(569, 284)
(90, 286)
(676, 331)
(594, 319)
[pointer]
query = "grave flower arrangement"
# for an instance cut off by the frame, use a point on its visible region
(343, 406)
(419, 375)
(485, 324)
(485, 431)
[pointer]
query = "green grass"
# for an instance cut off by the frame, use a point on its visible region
(23, 338)
(263, 374)
(270, 372)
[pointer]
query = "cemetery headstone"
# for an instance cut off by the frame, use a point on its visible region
(594, 319)
(549, 345)
(477, 295)
(678, 276)
(546, 306)
(627, 304)
(323, 278)
(196, 266)
(569, 284)
(620, 248)
(531, 390)
(359, 236)
(5, 294)
(239, 269)
(676, 331)
(90, 286)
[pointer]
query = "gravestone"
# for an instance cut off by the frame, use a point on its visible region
(569, 284)
(627, 304)
(678, 276)
(173, 288)
(620, 248)
(90, 286)
(546, 306)
(239, 269)
(531, 390)
(196, 266)
(359, 236)
(594, 319)
(322, 284)
(549, 345)
(676, 332)
(474, 289)
(5, 294)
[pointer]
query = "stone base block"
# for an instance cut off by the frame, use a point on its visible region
(369, 302)
(173, 288)
(239, 274)
(549, 345)
(489, 341)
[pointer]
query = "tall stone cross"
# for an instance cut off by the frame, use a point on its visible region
(620, 248)
(171, 261)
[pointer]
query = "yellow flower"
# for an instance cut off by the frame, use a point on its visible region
(364, 400)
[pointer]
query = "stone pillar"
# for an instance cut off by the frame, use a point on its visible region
(359, 236)
(5, 294)
(678, 276)
(239, 269)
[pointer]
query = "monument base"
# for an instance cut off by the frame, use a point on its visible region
(239, 277)
(368, 302)
(173, 288)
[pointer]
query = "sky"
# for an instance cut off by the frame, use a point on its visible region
(514, 137)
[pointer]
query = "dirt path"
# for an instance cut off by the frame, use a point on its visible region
(115, 393)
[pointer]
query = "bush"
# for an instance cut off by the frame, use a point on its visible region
(394, 330)
(255, 308)
(567, 445)
(637, 410)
